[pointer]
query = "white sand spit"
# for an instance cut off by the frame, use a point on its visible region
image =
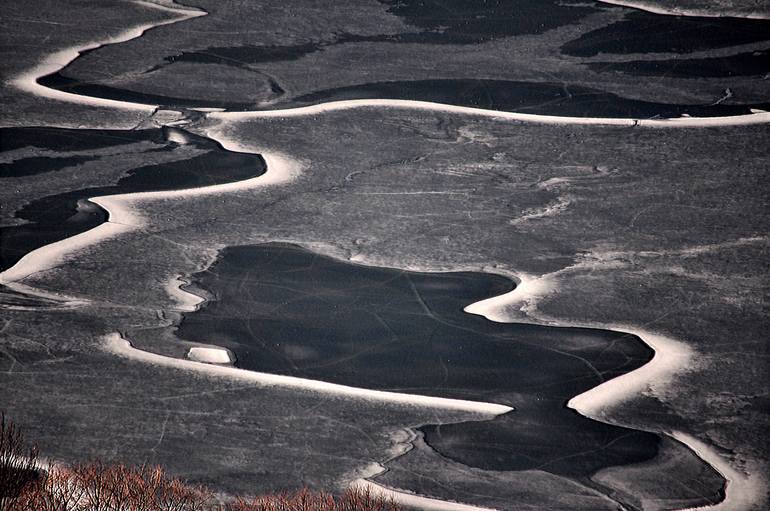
(679, 122)
(528, 289)
(185, 301)
(743, 492)
(671, 356)
(27, 81)
(416, 501)
(117, 345)
(120, 210)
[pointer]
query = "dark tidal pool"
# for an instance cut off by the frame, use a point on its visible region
(285, 310)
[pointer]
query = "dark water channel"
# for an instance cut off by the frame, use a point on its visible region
(59, 216)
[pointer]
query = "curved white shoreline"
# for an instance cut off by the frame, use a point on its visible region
(527, 288)
(670, 354)
(185, 301)
(742, 492)
(416, 501)
(656, 9)
(334, 106)
(27, 82)
(124, 217)
(55, 62)
(115, 344)
(50, 256)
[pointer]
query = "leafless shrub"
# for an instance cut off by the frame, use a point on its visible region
(354, 499)
(96, 486)
(18, 463)
(53, 491)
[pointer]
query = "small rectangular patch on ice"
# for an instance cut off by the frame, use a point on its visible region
(210, 355)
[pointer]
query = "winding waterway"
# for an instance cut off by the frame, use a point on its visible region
(56, 217)
(285, 310)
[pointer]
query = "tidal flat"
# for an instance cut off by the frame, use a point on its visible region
(611, 245)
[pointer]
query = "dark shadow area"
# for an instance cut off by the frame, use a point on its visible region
(755, 63)
(60, 82)
(72, 140)
(56, 217)
(285, 310)
(476, 21)
(532, 440)
(644, 32)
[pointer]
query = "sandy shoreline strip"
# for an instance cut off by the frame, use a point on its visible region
(117, 345)
(742, 493)
(124, 217)
(527, 288)
(55, 254)
(416, 501)
(656, 9)
(185, 301)
(57, 61)
(671, 356)
(334, 106)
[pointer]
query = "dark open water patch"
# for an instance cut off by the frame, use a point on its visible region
(56, 217)
(63, 83)
(755, 63)
(525, 97)
(40, 165)
(475, 21)
(643, 32)
(435, 21)
(65, 140)
(285, 310)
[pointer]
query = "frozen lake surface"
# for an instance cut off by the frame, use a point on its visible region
(317, 287)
